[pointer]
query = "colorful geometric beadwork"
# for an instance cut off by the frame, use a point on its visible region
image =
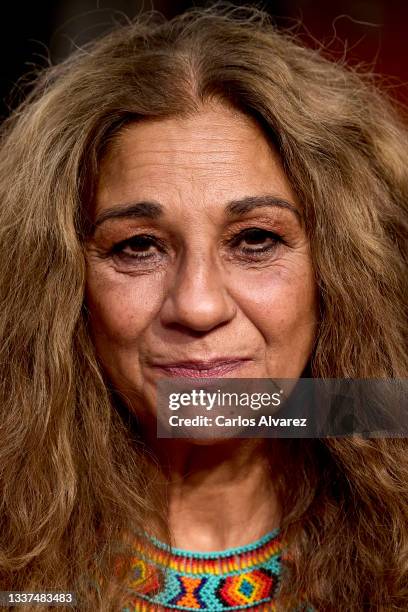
(241, 578)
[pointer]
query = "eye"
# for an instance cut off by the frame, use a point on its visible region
(255, 241)
(140, 247)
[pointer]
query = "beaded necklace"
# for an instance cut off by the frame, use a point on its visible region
(240, 578)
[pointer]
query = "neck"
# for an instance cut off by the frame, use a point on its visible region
(218, 495)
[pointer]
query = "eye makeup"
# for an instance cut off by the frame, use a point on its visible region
(137, 245)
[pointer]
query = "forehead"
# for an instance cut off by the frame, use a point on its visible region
(214, 155)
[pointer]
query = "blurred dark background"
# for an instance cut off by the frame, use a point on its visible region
(368, 32)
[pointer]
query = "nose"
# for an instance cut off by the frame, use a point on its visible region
(198, 299)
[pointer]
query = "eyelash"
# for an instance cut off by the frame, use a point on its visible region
(118, 249)
(263, 234)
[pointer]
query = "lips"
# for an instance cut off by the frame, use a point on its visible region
(201, 369)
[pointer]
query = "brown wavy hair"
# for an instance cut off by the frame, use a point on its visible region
(73, 474)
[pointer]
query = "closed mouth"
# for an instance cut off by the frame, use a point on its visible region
(201, 369)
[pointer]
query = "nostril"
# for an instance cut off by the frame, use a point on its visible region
(193, 332)
(197, 303)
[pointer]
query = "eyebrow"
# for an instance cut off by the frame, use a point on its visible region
(245, 205)
(150, 210)
(153, 210)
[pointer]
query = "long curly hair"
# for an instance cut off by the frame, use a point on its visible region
(74, 480)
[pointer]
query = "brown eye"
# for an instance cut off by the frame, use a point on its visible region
(255, 241)
(138, 247)
(143, 245)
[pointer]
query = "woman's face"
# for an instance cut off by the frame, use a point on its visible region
(199, 264)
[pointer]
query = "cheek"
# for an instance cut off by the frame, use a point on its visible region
(281, 303)
(122, 308)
